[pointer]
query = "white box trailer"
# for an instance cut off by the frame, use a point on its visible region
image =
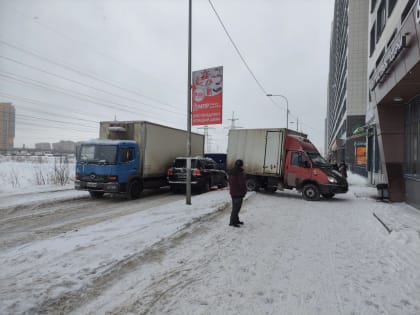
(261, 149)
(158, 145)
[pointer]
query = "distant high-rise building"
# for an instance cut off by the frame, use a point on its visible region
(64, 147)
(7, 126)
(347, 84)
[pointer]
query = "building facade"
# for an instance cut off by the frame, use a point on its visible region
(43, 146)
(64, 147)
(347, 85)
(7, 126)
(393, 112)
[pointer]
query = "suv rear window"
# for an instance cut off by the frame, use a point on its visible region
(182, 163)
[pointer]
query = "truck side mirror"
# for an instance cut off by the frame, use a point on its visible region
(306, 164)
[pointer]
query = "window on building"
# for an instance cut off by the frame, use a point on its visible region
(381, 55)
(391, 6)
(380, 19)
(372, 39)
(391, 38)
(372, 5)
(407, 9)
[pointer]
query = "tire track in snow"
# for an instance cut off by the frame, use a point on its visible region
(48, 219)
(113, 273)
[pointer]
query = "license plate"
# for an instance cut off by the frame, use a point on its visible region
(89, 184)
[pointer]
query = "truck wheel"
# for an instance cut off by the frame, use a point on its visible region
(96, 194)
(310, 192)
(252, 184)
(134, 189)
(328, 196)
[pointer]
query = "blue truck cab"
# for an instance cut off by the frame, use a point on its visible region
(108, 166)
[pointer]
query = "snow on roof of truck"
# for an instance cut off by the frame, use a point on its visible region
(107, 141)
(121, 123)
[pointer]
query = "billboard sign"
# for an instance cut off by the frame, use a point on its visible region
(207, 95)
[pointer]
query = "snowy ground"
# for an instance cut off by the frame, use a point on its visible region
(290, 257)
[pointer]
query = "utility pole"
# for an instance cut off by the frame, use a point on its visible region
(233, 119)
(206, 136)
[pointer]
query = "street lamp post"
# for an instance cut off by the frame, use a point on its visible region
(287, 107)
(188, 179)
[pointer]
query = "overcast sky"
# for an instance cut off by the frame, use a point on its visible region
(68, 64)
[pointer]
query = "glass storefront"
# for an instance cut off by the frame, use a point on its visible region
(412, 139)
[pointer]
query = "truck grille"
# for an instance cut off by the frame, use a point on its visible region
(93, 178)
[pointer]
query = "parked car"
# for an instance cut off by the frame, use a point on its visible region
(204, 174)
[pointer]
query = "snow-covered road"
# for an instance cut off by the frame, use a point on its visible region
(290, 257)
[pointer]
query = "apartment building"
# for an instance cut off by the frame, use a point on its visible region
(393, 112)
(7, 126)
(347, 85)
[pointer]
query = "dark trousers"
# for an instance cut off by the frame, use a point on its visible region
(236, 207)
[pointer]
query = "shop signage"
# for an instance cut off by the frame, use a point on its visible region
(360, 153)
(358, 130)
(388, 60)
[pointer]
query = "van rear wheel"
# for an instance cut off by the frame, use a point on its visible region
(252, 184)
(310, 192)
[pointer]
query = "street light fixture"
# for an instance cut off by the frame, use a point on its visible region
(287, 107)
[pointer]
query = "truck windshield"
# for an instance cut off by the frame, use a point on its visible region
(318, 160)
(97, 154)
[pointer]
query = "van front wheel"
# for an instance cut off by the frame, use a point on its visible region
(310, 192)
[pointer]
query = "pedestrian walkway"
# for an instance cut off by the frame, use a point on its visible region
(397, 216)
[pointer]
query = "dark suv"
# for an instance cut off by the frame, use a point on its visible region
(204, 174)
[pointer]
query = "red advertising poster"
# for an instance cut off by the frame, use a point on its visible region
(207, 95)
(361, 158)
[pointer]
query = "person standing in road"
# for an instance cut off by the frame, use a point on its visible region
(237, 189)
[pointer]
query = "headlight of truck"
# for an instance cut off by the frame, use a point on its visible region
(332, 180)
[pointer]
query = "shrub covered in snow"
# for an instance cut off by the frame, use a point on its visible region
(25, 171)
